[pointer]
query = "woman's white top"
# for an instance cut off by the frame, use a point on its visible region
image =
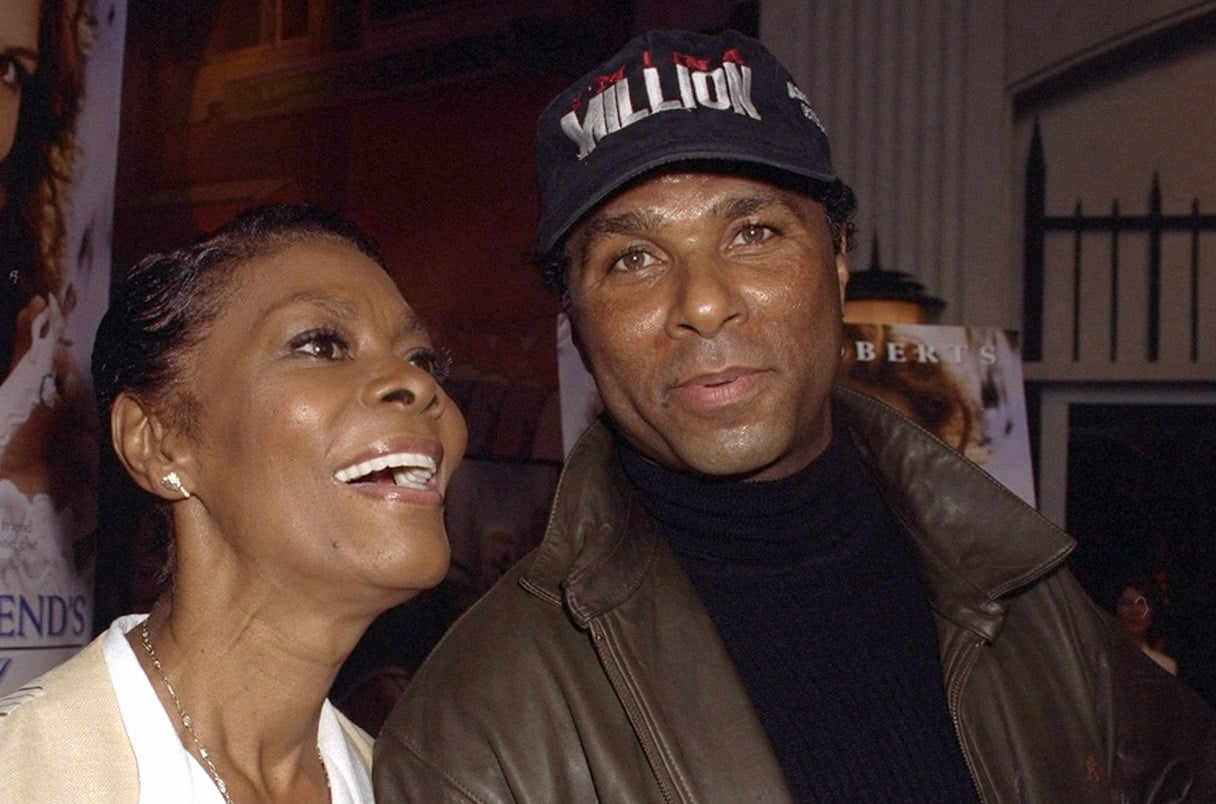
(168, 772)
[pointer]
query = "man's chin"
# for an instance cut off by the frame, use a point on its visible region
(730, 460)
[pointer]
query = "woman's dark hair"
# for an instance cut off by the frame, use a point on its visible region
(37, 170)
(837, 198)
(162, 307)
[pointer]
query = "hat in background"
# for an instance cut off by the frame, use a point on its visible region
(667, 97)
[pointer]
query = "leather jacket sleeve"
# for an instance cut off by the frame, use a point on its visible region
(1061, 706)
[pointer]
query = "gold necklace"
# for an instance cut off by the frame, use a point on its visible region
(181, 713)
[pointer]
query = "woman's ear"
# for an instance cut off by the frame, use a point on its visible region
(146, 448)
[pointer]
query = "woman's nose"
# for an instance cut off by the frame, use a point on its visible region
(405, 385)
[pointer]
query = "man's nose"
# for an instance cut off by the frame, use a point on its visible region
(705, 299)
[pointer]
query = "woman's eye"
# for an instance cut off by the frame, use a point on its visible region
(433, 362)
(633, 260)
(321, 343)
(752, 233)
(12, 73)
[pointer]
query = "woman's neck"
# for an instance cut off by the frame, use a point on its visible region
(252, 689)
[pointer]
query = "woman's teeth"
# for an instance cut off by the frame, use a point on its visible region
(413, 478)
(408, 469)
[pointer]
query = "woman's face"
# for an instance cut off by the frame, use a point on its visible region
(18, 59)
(1133, 612)
(321, 443)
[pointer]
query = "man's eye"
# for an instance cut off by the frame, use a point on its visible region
(753, 233)
(633, 260)
(321, 343)
(433, 361)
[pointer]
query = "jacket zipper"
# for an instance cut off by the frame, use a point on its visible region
(956, 694)
(617, 679)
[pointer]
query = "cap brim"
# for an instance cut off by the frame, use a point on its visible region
(635, 166)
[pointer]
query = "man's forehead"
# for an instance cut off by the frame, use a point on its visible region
(738, 192)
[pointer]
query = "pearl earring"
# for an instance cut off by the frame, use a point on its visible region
(174, 483)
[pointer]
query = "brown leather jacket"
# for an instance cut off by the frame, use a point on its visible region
(592, 672)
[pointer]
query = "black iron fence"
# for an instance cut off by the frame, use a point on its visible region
(1147, 229)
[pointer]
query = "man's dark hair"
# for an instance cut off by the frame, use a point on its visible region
(837, 198)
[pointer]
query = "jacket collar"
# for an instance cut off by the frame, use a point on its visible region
(599, 543)
(975, 540)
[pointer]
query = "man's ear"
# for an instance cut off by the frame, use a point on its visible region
(842, 268)
(146, 446)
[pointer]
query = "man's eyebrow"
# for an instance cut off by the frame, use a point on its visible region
(630, 222)
(639, 222)
(642, 221)
(738, 206)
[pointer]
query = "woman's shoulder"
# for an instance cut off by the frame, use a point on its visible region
(52, 730)
(61, 688)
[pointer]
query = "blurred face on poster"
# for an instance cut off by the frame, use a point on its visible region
(55, 209)
(18, 60)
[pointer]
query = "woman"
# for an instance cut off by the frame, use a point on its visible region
(1134, 610)
(270, 385)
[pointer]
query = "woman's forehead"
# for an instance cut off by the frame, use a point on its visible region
(332, 277)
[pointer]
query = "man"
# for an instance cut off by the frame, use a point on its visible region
(754, 587)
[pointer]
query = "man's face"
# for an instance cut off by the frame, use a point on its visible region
(708, 308)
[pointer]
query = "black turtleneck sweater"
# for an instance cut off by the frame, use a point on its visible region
(814, 590)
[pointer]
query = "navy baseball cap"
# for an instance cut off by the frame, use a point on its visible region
(669, 97)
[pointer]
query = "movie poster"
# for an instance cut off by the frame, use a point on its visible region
(963, 384)
(59, 110)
